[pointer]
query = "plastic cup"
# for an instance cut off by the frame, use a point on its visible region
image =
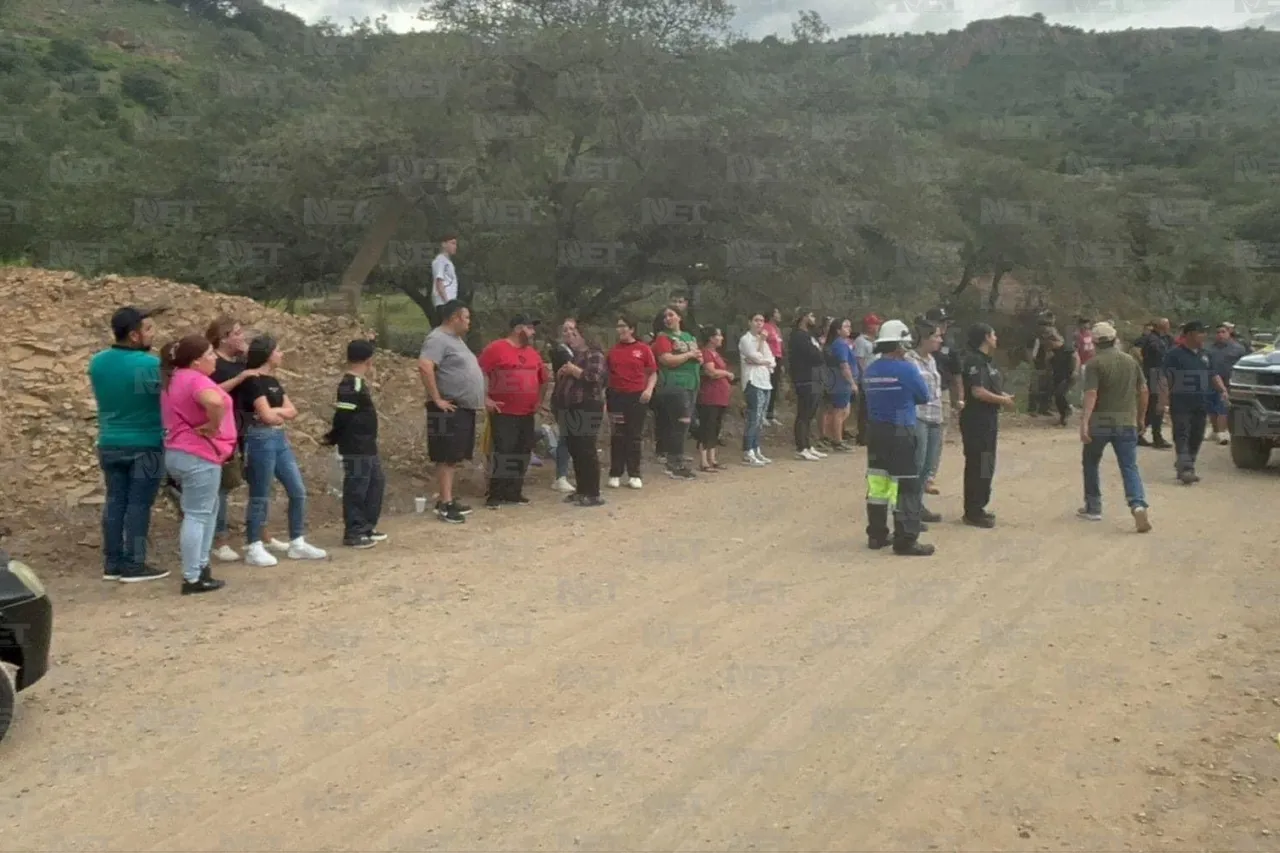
(420, 505)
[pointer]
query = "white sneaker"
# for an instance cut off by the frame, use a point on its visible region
(807, 455)
(226, 554)
(615, 482)
(818, 453)
(635, 483)
(562, 484)
(1224, 438)
(749, 459)
(301, 549)
(258, 555)
(276, 545)
(766, 460)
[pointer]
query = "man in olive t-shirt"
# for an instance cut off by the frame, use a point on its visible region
(1115, 392)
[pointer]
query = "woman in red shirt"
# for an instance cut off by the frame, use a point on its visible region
(773, 335)
(713, 397)
(633, 373)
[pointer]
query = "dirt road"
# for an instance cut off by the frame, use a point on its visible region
(719, 665)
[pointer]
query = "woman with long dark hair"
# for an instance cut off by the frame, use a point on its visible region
(269, 456)
(579, 393)
(633, 373)
(679, 371)
(200, 435)
(713, 397)
(841, 383)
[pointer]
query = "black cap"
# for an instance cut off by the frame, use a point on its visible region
(1194, 326)
(523, 320)
(359, 351)
(936, 315)
(129, 319)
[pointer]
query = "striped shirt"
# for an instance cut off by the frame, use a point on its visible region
(931, 412)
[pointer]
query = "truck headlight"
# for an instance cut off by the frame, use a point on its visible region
(28, 577)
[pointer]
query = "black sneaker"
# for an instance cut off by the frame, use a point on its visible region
(984, 521)
(360, 542)
(877, 544)
(206, 583)
(462, 508)
(519, 501)
(144, 573)
(1161, 445)
(572, 498)
(378, 536)
(449, 513)
(681, 474)
(492, 503)
(595, 500)
(930, 517)
(111, 574)
(914, 549)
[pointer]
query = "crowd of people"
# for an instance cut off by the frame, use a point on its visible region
(210, 414)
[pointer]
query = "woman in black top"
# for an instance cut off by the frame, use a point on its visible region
(268, 456)
(579, 397)
(226, 335)
(806, 358)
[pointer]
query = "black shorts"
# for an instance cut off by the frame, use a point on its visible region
(451, 436)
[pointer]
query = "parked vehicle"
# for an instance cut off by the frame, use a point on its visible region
(26, 629)
(1254, 392)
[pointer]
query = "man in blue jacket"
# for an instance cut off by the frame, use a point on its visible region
(894, 387)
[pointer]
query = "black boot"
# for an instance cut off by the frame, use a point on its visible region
(913, 549)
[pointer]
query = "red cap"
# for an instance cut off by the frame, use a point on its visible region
(870, 320)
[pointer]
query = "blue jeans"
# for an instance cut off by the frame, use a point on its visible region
(199, 479)
(928, 449)
(757, 406)
(1125, 442)
(220, 525)
(562, 447)
(133, 476)
(268, 456)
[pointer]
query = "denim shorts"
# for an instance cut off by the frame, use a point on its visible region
(1216, 406)
(840, 399)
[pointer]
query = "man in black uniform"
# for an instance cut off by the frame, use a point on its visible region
(355, 433)
(1187, 386)
(1155, 345)
(980, 422)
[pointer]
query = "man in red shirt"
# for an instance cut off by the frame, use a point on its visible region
(1084, 340)
(517, 379)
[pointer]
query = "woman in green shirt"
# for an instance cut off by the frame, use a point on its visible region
(679, 372)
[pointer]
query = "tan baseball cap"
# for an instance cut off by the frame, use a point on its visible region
(1104, 332)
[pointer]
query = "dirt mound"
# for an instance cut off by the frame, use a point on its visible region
(50, 486)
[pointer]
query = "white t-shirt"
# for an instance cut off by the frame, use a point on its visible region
(756, 374)
(865, 349)
(442, 268)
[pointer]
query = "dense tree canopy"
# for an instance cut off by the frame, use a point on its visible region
(588, 150)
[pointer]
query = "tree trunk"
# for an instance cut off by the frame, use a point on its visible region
(966, 278)
(994, 296)
(371, 248)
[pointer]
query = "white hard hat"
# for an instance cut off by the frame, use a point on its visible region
(894, 331)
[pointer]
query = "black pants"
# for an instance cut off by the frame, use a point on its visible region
(626, 419)
(582, 430)
(891, 452)
(1188, 435)
(1060, 389)
(861, 403)
(513, 440)
(710, 420)
(363, 485)
(979, 439)
(673, 405)
(808, 396)
(775, 380)
(1155, 418)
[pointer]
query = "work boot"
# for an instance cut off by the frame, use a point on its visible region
(930, 517)
(984, 521)
(913, 549)
(876, 544)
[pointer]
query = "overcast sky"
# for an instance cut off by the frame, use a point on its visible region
(759, 18)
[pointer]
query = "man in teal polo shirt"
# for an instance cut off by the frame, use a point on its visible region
(126, 385)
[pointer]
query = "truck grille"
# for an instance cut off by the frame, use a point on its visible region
(1270, 402)
(1257, 378)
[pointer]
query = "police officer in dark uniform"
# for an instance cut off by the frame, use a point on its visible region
(1155, 345)
(980, 423)
(1187, 385)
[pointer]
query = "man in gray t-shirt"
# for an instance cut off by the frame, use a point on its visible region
(455, 394)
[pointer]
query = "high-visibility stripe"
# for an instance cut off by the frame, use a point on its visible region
(359, 383)
(882, 489)
(350, 407)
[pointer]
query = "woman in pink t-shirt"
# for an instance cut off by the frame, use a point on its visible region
(773, 334)
(200, 435)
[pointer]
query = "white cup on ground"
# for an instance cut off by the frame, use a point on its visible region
(419, 505)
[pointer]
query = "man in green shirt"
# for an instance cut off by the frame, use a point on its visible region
(126, 385)
(1115, 392)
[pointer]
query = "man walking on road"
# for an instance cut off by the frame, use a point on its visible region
(1224, 352)
(1115, 398)
(1155, 345)
(1187, 385)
